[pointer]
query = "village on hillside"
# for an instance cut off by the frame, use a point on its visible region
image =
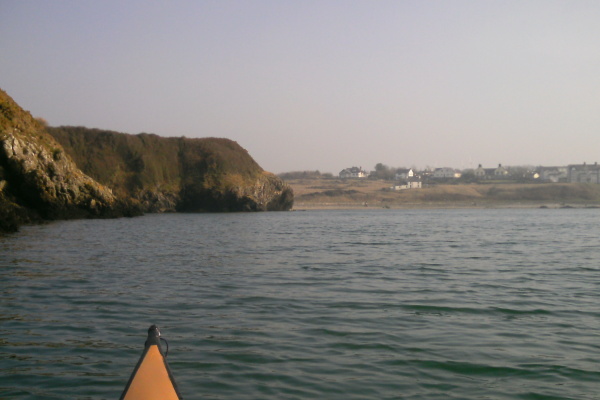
(409, 178)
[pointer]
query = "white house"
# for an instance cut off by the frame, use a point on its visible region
(446, 172)
(411, 183)
(403, 174)
(480, 172)
(491, 173)
(354, 172)
(500, 171)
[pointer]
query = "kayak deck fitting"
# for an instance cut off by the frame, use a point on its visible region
(151, 379)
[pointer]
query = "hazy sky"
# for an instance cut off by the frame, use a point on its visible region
(306, 85)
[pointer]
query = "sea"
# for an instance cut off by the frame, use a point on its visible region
(344, 304)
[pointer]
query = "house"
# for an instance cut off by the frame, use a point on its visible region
(480, 172)
(584, 173)
(554, 174)
(500, 172)
(403, 174)
(410, 183)
(354, 172)
(491, 173)
(440, 173)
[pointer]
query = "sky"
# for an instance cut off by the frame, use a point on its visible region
(320, 85)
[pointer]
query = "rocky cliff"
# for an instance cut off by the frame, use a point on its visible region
(175, 174)
(39, 181)
(73, 172)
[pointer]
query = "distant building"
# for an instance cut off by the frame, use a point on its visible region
(500, 172)
(410, 183)
(403, 174)
(584, 173)
(354, 172)
(440, 173)
(491, 173)
(480, 172)
(553, 174)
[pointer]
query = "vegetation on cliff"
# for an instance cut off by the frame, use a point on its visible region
(175, 174)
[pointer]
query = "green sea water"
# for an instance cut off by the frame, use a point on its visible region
(388, 304)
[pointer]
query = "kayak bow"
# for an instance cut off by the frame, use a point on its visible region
(151, 379)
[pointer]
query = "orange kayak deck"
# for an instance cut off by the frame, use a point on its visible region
(151, 379)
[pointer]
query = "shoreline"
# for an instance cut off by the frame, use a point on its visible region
(438, 206)
(336, 194)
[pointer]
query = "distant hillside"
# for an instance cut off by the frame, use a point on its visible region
(38, 181)
(175, 174)
(351, 193)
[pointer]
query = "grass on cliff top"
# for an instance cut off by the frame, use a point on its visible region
(22, 125)
(220, 156)
(129, 163)
(14, 117)
(123, 162)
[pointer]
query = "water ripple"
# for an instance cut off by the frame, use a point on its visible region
(444, 304)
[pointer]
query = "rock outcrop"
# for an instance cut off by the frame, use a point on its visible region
(39, 181)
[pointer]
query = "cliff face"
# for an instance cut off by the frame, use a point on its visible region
(39, 181)
(175, 174)
(41, 174)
